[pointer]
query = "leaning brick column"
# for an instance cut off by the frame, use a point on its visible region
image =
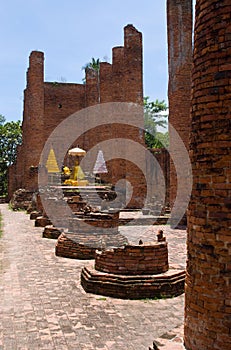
(208, 281)
(179, 21)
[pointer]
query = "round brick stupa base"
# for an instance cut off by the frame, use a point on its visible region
(164, 285)
(134, 272)
(84, 246)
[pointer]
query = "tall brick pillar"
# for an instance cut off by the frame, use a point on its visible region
(208, 281)
(179, 22)
(133, 69)
(33, 120)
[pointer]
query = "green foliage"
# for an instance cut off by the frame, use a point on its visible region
(161, 140)
(94, 64)
(10, 138)
(153, 120)
(154, 107)
(2, 119)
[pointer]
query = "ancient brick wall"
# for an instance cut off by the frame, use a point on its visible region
(47, 104)
(179, 20)
(118, 168)
(208, 282)
(122, 81)
(163, 159)
(60, 101)
(146, 259)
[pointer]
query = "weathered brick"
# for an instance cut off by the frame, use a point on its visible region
(179, 20)
(208, 270)
(47, 104)
(134, 260)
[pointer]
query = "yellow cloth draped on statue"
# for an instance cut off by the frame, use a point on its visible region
(77, 177)
(77, 173)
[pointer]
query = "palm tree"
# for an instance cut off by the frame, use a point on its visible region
(94, 64)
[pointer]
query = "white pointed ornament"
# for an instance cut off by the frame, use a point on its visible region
(100, 164)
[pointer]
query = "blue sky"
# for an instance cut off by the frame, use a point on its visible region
(70, 33)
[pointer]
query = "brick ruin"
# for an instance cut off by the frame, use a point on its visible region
(145, 260)
(88, 232)
(163, 159)
(179, 27)
(47, 104)
(208, 305)
(84, 246)
(208, 280)
(133, 272)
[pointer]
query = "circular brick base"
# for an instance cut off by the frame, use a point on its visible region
(149, 258)
(84, 246)
(168, 284)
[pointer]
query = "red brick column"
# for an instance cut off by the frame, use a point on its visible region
(208, 281)
(133, 69)
(179, 20)
(33, 121)
(106, 82)
(92, 87)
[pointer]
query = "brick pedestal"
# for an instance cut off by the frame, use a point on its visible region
(164, 285)
(84, 246)
(133, 272)
(134, 260)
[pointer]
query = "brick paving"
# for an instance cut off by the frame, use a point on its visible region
(42, 305)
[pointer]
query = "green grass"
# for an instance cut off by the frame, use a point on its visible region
(15, 209)
(161, 296)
